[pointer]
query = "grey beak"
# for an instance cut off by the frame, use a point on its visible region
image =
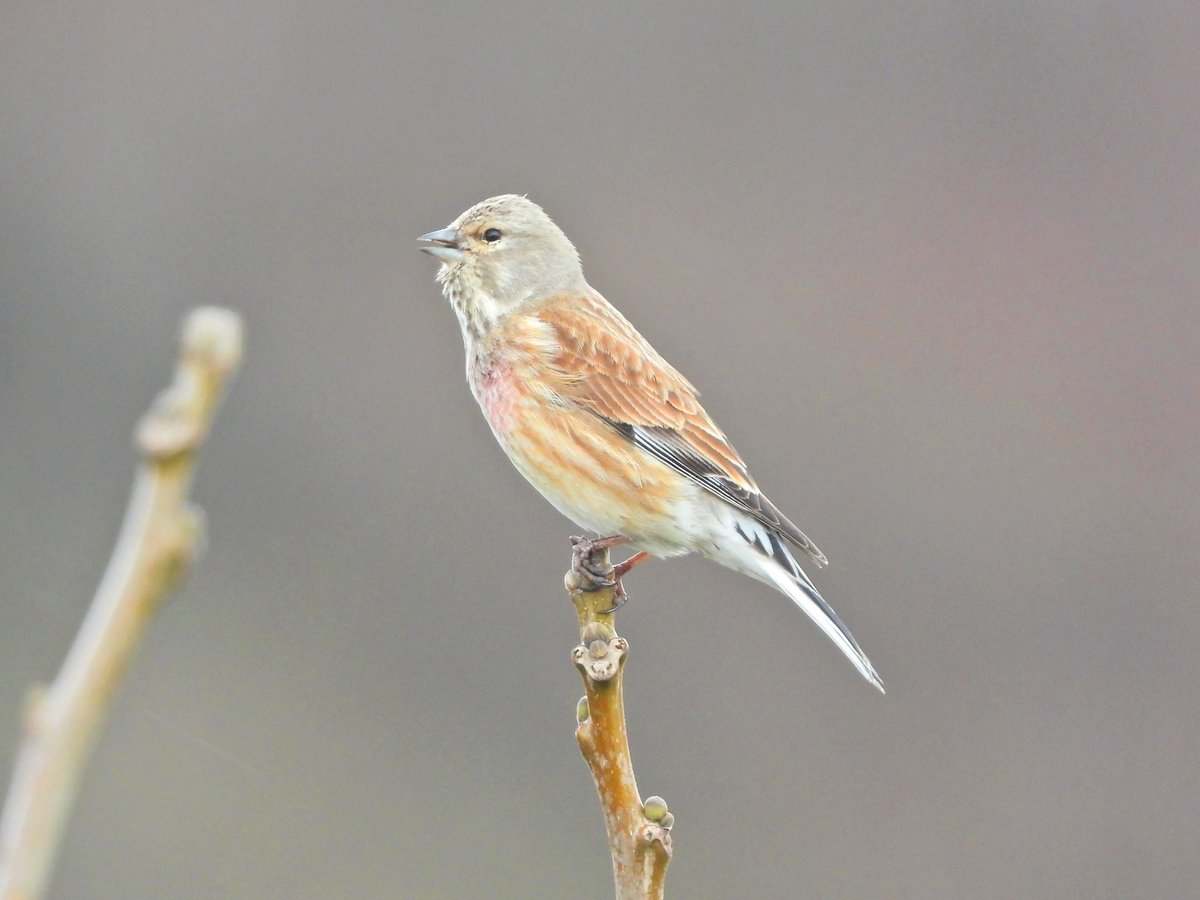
(443, 244)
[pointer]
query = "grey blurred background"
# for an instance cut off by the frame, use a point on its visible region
(934, 266)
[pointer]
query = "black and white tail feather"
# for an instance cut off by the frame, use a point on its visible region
(758, 550)
(762, 554)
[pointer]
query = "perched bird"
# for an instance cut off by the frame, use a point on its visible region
(597, 421)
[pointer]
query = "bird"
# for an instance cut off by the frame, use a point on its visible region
(608, 432)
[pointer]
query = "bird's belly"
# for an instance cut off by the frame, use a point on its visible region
(589, 472)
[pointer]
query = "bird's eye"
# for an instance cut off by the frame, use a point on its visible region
(492, 235)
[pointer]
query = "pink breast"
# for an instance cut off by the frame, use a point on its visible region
(498, 395)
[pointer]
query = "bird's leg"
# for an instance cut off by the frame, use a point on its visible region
(621, 569)
(604, 543)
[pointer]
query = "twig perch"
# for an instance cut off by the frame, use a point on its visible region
(161, 535)
(639, 834)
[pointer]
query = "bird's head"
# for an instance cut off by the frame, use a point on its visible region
(500, 254)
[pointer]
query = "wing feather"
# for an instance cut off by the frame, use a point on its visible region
(606, 367)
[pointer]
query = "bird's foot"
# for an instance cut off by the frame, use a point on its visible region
(589, 562)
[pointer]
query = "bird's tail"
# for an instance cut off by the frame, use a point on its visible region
(761, 553)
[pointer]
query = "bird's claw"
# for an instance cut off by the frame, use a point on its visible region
(589, 561)
(620, 598)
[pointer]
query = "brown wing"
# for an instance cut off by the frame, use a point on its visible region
(609, 369)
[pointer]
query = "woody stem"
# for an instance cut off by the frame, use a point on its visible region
(638, 834)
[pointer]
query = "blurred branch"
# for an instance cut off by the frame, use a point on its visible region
(639, 834)
(160, 536)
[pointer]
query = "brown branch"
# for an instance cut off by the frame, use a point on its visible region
(639, 834)
(159, 538)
